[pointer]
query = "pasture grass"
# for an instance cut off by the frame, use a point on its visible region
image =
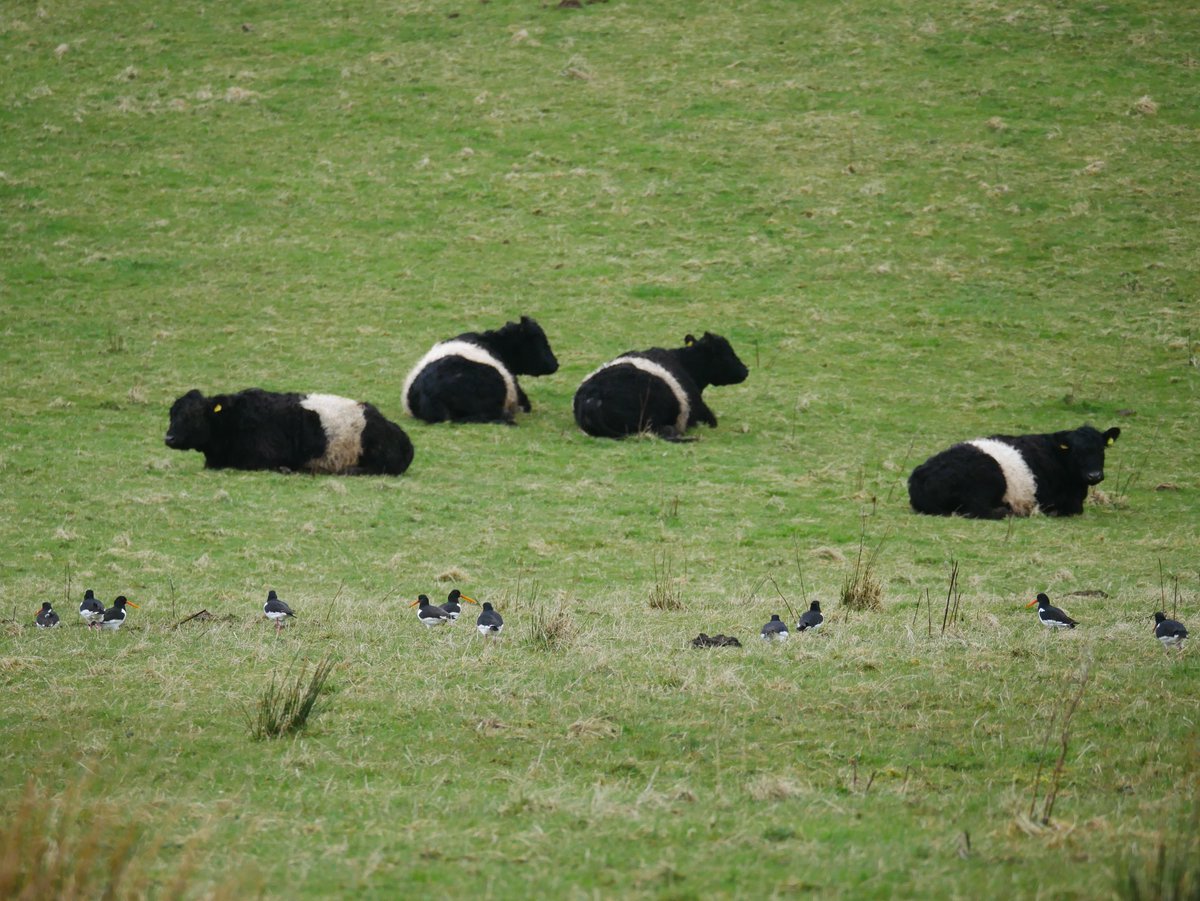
(916, 223)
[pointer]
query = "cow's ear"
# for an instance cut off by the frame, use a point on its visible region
(1110, 436)
(689, 340)
(220, 404)
(1062, 440)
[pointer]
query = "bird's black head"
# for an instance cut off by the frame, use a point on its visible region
(1159, 616)
(88, 595)
(487, 605)
(424, 600)
(815, 606)
(272, 596)
(455, 594)
(45, 606)
(775, 617)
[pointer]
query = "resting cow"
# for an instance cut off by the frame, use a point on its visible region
(1007, 475)
(473, 378)
(317, 433)
(657, 390)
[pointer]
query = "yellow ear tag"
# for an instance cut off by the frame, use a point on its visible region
(217, 408)
(1060, 447)
(1110, 442)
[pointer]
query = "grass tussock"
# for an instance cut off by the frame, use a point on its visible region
(68, 847)
(288, 702)
(550, 629)
(1171, 872)
(665, 594)
(862, 589)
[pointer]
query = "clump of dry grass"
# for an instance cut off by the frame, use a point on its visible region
(862, 590)
(550, 629)
(665, 593)
(69, 848)
(286, 705)
(1172, 873)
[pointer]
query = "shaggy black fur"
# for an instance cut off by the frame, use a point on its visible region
(965, 480)
(624, 400)
(256, 429)
(459, 390)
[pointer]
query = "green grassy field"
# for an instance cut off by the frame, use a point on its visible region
(916, 224)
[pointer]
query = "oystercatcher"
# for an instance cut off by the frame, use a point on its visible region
(453, 607)
(775, 630)
(277, 611)
(489, 621)
(810, 619)
(1169, 631)
(48, 619)
(1051, 616)
(91, 609)
(114, 616)
(429, 614)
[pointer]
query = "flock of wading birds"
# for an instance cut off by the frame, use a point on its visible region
(1171, 633)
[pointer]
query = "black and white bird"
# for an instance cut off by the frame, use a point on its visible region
(1169, 631)
(1050, 616)
(90, 608)
(277, 611)
(489, 622)
(114, 616)
(48, 619)
(452, 605)
(811, 619)
(429, 614)
(775, 630)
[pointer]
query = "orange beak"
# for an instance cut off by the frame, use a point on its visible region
(132, 604)
(463, 597)
(414, 603)
(1032, 603)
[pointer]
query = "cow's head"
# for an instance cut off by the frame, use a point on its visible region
(1082, 451)
(192, 423)
(531, 353)
(721, 364)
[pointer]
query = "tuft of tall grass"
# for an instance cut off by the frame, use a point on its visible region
(288, 702)
(550, 629)
(1172, 873)
(862, 589)
(69, 848)
(665, 593)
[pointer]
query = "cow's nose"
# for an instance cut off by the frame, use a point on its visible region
(170, 440)
(1095, 477)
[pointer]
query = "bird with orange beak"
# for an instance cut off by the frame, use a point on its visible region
(114, 616)
(1050, 616)
(452, 605)
(428, 614)
(46, 617)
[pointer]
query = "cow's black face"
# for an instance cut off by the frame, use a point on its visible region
(1083, 451)
(536, 356)
(724, 367)
(190, 428)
